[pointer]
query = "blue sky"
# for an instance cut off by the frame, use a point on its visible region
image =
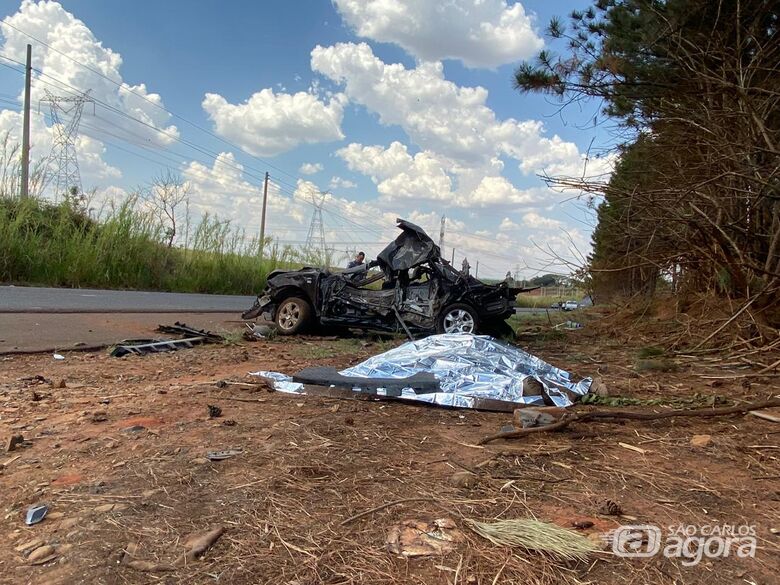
(367, 100)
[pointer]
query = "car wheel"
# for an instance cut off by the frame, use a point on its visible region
(293, 316)
(458, 318)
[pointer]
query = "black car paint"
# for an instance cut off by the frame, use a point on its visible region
(342, 299)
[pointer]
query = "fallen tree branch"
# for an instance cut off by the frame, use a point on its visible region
(618, 415)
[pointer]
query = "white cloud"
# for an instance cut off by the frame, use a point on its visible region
(535, 221)
(480, 33)
(271, 123)
(400, 176)
(65, 71)
(310, 168)
(222, 190)
(507, 225)
(438, 115)
(397, 174)
(340, 183)
(73, 49)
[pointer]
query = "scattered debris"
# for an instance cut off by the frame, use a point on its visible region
(598, 388)
(701, 440)
(214, 411)
(254, 332)
(12, 442)
(58, 356)
(198, 544)
(36, 513)
(134, 429)
(536, 417)
(610, 508)
(612, 416)
(41, 555)
(229, 422)
(9, 461)
(144, 346)
(98, 417)
(765, 416)
(29, 546)
(464, 479)
(128, 560)
(415, 538)
(221, 455)
(533, 535)
(187, 331)
(582, 524)
(633, 448)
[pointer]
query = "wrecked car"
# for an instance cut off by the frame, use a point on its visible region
(413, 290)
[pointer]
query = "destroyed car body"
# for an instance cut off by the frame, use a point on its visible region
(413, 290)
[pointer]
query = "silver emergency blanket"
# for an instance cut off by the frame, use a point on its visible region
(468, 367)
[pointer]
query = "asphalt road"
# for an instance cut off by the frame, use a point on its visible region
(25, 299)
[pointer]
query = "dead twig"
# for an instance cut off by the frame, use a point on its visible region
(617, 415)
(383, 506)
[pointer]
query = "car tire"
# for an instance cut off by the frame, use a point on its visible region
(292, 316)
(458, 318)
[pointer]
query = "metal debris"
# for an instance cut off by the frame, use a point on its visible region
(36, 513)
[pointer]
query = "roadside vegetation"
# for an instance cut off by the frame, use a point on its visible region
(59, 245)
(690, 218)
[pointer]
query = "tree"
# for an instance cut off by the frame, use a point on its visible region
(693, 87)
(164, 196)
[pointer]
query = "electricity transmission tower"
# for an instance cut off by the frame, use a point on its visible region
(65, 116)
(315, 240)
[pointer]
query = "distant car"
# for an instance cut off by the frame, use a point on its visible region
(556, 305)
(570, 305)
(414, 290)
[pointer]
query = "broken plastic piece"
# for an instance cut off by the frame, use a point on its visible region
(220, 455)
(36, 513)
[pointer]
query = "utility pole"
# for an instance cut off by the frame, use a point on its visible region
(476, 270)
(452, 261)
(25, 182)
(262, 218)
(441, 234)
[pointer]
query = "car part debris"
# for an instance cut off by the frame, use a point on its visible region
(187, 331)
(191, 336)
(222, 455)
(416, 538)
(214, 411)
(36, 513)
(419, 292)
(147, 346)
(421, 382)
(58, 356)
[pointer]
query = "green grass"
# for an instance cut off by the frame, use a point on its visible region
(46, 244)
(539, 302)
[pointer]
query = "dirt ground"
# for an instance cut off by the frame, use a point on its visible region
(117, 450)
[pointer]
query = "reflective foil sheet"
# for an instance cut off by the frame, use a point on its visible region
(468, 367)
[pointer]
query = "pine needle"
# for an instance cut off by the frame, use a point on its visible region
(534, 535)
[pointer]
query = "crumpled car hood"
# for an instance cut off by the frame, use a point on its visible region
(411, 248)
